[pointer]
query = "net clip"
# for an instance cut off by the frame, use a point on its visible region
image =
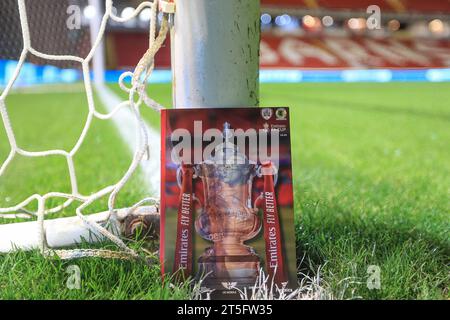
(167, 6)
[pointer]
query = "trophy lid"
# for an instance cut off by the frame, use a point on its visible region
(227, 152)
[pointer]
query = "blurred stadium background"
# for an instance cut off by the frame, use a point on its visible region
(336, 39)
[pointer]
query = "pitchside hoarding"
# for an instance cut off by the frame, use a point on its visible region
(291, 50)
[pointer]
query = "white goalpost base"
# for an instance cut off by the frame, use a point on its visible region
(66, 232)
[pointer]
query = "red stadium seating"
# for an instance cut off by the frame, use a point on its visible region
(428, 6)
(304, 52)
(417, 6)
(321, 50)
(353, 4)
(331, 52)
(285, 3)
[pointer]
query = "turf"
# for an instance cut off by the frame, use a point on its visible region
(47, 121)
(55, 121)
(372, 175)
(371, 171)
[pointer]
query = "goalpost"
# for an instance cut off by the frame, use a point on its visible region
(215, 53)
(215, 63)
(98, 61)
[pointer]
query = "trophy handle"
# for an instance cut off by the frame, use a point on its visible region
(180, 175)
(274, 173)
(195, 199)
(180, 183)
(259, 200)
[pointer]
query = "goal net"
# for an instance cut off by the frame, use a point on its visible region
(52, 42)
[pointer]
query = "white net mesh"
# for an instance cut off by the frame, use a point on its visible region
(137, 97)
(48, 25)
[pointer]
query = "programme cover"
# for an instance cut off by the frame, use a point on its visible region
(226, 198)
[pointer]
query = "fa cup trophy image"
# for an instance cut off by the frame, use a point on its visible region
(227, 203)
(228, 217)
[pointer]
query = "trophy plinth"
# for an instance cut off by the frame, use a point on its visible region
(228, 219)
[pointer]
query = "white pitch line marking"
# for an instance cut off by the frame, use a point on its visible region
(48, 89)
(125, 123)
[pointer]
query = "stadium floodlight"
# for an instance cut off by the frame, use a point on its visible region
(283, 20)
(436, 26)
(266, 19)
(127, 12)
(145, 15)
(327, 21)
(287, 19)
(309, 21)
(394, 25)
(279, 21)
(89, 12)
(357, 23)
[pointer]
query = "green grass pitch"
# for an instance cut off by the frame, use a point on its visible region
(371, 170)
